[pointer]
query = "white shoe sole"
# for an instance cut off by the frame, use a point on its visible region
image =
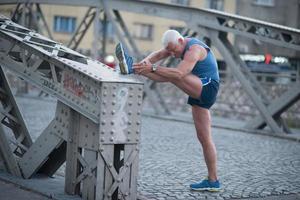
(207, 189)
(121, 57)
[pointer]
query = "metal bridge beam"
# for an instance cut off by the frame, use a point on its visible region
(82, 28)
(216, 20)
(11, 118)
(277, 106)
(12, 115)
(97, 119)
(44, 22)
(255, 29)
(38, 157)
(224, 47)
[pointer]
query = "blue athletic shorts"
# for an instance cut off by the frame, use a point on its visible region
(208, 95)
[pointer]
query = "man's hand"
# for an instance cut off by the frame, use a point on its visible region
(142, 68)
(145, 62)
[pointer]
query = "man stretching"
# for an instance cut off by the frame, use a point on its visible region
(196, 75)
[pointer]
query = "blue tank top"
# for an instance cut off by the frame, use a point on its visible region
(207, 68)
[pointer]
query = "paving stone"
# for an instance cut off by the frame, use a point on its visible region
(171, 158)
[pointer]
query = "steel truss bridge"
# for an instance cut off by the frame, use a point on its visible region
(92, 131)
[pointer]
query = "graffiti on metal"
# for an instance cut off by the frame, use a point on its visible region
(79, 88)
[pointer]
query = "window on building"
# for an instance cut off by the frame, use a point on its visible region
(181, 2)
(216, 4)
(64, 24)
(110, 32)
(264, 2)
(143, 31)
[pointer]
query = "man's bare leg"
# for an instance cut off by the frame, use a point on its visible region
(202, 121)
(190, 84)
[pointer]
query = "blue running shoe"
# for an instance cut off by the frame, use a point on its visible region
(125, 61)
(206, 185)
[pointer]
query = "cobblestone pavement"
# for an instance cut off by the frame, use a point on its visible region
(9, 191)
(171, 158)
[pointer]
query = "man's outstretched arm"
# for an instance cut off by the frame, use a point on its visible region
(155, 56)
(156, 77)
(185, 67)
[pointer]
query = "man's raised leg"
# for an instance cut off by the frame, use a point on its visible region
(190, 84)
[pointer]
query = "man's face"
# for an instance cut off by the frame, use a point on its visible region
(175, 49)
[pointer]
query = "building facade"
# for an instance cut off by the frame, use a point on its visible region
(146, 30)
(285, 13)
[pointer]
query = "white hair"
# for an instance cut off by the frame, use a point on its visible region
(170, 36)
